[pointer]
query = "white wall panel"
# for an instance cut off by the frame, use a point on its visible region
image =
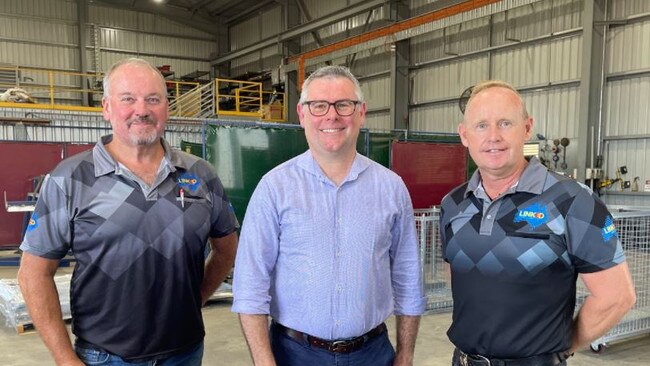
(164, 25)
(567, 14)
(56, 9)
(244, 33)
(619, 9)
(448, 79)
(371, 62)
(271, 22)
(339, 30)
(37, 30)
(627, 110)
(443, 117)
(38, 55)
(566, 59)
(523, 66)
(628, 47)
(377, 92)
(469, 36)
(119, 39)
(378, 121)
(150, 43)
(112, 17)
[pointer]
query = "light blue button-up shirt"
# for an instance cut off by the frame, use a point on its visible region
(333, 262)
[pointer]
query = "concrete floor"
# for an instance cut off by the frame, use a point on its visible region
(225, 345)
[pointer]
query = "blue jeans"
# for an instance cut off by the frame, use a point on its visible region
(92, 356)
(289, 352)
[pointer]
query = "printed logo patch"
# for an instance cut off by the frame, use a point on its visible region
(535, 215)
(190, 181)
(609, 230)
(33, 222)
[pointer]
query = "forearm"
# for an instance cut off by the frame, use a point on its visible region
(407, 331)
(595, 318)
(218, 265)
(256, 332)
(44, 308)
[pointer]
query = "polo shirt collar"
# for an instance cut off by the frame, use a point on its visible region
(105, 164)
(532, 179)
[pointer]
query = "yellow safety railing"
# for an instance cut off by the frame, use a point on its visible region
(51, 89)
(62, 90)
(238, 98)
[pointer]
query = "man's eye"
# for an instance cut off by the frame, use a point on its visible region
(127, 99)
(153, 100)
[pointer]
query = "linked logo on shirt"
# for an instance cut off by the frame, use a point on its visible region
(609, 230)
(535, 215)
(33, 222)
(190, 181)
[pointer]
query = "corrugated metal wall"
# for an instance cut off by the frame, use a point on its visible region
(626, 107)
(44, 34)
(264, 25)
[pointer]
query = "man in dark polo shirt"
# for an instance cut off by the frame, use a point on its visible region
(516, 236)
(137, 215)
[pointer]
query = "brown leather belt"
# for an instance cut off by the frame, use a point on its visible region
(342, 346)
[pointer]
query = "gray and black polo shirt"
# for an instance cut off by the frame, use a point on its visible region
(515, 260)
(135, 290)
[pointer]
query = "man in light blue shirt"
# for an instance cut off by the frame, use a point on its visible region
(328, 246)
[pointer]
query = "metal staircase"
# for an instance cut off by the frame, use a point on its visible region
(197, 102)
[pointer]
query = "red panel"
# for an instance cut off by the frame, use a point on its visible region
(429, 170)
(73, 149)
(20, 162)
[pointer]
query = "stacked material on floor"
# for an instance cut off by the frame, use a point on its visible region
(14, 310)
(224, 292)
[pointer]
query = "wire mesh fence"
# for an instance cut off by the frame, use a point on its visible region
(633, 226)
(435, 279)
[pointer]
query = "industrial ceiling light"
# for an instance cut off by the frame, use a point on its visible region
(158, 1)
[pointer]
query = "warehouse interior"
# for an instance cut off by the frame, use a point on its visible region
(233, 69)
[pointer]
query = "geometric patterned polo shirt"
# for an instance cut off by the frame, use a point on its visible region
(135, 290)
(515, 260)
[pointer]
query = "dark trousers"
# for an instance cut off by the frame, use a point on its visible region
(287, 351)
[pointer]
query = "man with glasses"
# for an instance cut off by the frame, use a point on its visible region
(328, 246)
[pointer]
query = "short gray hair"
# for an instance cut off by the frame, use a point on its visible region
(331, 72)
(488, 84)
(128, 61)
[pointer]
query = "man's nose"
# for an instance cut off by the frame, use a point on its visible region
(141, 109)
(494, 133)
(331, 112)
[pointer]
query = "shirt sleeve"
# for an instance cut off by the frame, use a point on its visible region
(405, 264)
(48, 232)
(223, 220)
(256, 254)
(592, 238)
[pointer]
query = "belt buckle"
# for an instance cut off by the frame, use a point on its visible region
(334, 347)
(483, 359)
(462, 359)
(468, 360)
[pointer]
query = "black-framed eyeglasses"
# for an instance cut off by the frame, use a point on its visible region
(343, 107)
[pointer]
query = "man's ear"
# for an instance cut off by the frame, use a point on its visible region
(462, 130)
